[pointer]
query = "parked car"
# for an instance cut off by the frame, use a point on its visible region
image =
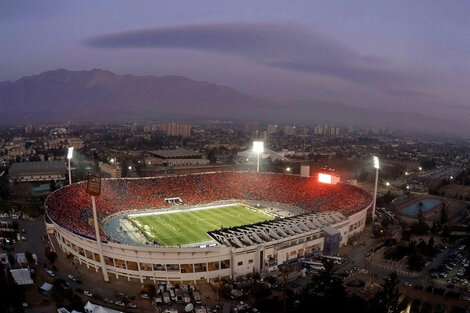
(69, 276)
(51, 273)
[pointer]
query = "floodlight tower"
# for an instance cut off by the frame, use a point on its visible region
(376, 166)
(69, 157)
(93, 188)
(258, 148)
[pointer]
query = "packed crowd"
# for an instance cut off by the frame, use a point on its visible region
(68, 205)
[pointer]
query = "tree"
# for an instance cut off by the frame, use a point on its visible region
(76, 303)
(211, 156)
(150, 290)
(387, 300)
(50, 255)
(430, 248)
(11, 295)
(443, 219)
(420, 215)
(52, 186)
(259, 291)
(29, 257)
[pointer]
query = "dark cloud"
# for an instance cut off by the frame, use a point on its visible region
(461, 107)
(282, 46)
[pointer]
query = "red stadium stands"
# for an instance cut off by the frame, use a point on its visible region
(71, 206)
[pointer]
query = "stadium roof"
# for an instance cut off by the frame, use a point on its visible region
(175, 154)
(268, 153)
(249, 235)
(18, 169)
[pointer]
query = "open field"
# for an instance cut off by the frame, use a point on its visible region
(191, 226)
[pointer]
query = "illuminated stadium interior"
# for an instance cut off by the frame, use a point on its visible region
(182, 227)
(70, 206)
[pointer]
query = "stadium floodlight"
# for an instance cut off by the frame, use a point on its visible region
(377, 167)
(258, 148)
(70, 153)
(324, 178)
(69, 157)
(376, 162)
(93, 188)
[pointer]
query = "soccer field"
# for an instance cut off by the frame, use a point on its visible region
(186, 227)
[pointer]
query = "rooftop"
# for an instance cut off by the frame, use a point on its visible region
(176, 153)
(37, 167)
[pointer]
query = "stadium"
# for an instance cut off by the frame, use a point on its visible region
(189, 228)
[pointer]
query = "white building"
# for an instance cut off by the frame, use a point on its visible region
(110, 170)
(175, 158)
(37, 171)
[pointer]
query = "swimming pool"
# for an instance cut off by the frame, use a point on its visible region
(428, 204)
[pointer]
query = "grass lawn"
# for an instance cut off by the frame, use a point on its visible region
(186, 227)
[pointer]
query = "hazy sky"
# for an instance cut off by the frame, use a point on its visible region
(395, 55)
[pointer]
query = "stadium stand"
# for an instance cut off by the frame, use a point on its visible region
(70, 206)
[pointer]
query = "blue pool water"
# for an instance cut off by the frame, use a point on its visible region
(413, 209)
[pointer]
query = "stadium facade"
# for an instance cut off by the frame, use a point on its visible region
(238, 251)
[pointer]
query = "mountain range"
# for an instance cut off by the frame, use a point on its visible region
(98, 95)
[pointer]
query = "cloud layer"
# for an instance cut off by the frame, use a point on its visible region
(283, 46)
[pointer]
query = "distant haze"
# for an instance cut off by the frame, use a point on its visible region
(395, 56)
(101, 96)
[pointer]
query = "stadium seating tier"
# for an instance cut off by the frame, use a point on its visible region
(70, 206)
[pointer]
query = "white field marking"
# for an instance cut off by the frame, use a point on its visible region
(183, 210)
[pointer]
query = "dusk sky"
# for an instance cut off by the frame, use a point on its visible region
(394, 55)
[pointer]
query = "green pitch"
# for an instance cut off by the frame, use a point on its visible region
(186, 227)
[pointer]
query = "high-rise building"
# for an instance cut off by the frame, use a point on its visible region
(251, 127)
(173, 129)
(272, 129)
(289, 130)
(325, 129)
(303, 131)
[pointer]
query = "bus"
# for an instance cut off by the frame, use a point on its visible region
(335, 259)
(316, 266)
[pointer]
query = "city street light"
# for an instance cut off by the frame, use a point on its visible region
(69, 157)
(258, 148)
(376, 166)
